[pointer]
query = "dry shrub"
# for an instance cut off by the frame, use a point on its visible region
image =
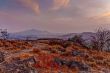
(35, 50)
(24, 55)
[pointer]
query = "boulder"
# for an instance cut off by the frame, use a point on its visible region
(2, 57)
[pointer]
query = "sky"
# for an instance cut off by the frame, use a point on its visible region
(64, 16)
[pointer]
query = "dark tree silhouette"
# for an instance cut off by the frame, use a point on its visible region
(101, 39)
(4, 34)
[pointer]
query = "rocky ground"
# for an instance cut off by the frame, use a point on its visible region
(51, 56)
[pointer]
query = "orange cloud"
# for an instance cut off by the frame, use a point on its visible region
(32, 4)
(60, 4)
(107, 14)
(104, 15)
(102, 18)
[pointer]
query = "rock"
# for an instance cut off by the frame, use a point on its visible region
(60, 61)
(19, 66)
(1, 57)
(81, 66)
(84, 67)
(73, 64)
(78, 53)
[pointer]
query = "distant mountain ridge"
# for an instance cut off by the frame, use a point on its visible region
(33, 33)
(85, 35)
(36, 34)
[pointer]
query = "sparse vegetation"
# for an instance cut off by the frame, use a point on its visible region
(46, 56)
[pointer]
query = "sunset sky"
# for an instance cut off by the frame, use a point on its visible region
(54, 15)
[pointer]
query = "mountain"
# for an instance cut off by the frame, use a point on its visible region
(33, 33)
(36, 34)
(69, 35)
(85, 35)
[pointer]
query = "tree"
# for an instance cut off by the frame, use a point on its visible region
(101, 39)
(4, 34)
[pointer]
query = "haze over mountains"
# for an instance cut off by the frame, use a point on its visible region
(32, 33)
(36, 34)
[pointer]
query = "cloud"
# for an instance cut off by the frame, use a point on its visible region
(103, 18)
(57, 4)
(66, 16)
(34, 5)
(106, 14)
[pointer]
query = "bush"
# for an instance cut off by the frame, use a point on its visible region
(77, 39)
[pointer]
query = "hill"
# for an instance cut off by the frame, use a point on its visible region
(46, 56)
